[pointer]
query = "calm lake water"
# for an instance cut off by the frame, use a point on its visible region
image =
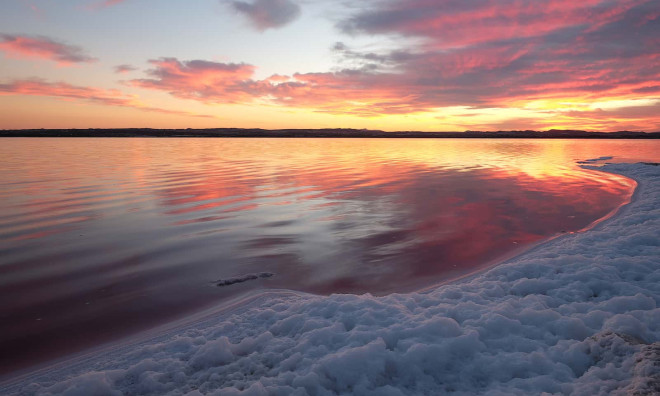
(100, 238)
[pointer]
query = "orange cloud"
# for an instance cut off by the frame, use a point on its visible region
(109, 97)
(43, 48)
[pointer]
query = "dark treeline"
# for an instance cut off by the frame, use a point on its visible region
(322, 133)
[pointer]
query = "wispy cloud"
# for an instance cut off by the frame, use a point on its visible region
(43, 48)
(267, 14)
(37, 87)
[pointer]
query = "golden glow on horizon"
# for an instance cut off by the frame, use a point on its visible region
(18, 112)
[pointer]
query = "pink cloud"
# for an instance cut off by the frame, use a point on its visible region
(349, 91)
(43, 48)
(198, 79)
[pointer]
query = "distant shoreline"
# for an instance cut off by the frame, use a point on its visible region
(322, 133)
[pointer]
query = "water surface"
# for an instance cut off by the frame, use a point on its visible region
(103, 237)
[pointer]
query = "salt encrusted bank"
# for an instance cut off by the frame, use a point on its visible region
(578, 315)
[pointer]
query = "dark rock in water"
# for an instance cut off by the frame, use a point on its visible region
(242, 278)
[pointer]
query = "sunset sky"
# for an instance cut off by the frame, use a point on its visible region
(428, 65)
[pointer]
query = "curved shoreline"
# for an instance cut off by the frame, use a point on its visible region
(253, 300)
(521, 252)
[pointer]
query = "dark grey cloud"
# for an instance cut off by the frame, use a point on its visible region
(268, 14)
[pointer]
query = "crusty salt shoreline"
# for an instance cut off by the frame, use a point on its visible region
(578, 315)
